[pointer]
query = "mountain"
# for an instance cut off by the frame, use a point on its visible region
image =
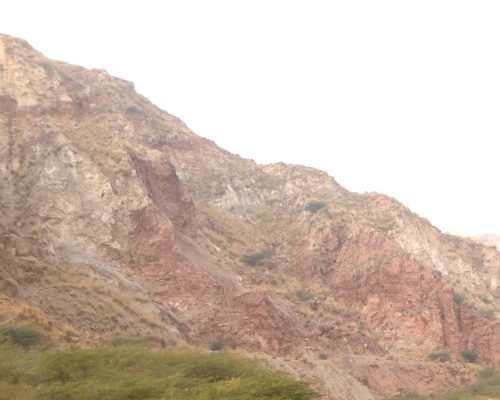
(116, 219)
(489, 240)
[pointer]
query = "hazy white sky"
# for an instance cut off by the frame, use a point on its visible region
(400, 97)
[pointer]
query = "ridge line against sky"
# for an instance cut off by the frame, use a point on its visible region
(401, 98)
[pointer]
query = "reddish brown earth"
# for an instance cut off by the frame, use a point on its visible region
(116, 219)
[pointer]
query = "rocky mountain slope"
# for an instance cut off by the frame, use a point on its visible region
(489, 240)
(116, 219)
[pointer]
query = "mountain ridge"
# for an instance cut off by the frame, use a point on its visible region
(489, 240)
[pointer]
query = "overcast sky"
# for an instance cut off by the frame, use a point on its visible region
(399, 97)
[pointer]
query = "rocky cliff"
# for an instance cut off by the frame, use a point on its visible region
(116, 219)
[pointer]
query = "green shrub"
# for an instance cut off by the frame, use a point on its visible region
(304, 295)
(441, 356)
(216, 345)
(458, 298)
(255, 258)
(22, 335)
(132, 110)
(314, 206)
(470, 355)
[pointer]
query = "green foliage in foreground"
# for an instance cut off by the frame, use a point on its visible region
(487, 386)
(136, 373)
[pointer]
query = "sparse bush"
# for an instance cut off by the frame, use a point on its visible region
(314, 206)
(323, 356)
(22, 335)
(304, 295)
(458, 298)
(216, 345)
(485, 300)
(441, 356)
(255, 258)
(470, 355)
(132, 110)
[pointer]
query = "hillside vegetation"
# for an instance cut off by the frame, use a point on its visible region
(129, 372)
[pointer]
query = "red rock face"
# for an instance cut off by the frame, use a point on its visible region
(117, 219)
(256, 322)
(164, 189)
(408, 304)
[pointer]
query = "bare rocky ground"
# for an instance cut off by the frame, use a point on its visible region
(116, 219)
